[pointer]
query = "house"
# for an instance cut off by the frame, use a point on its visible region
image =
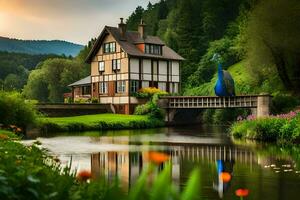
(124, 61)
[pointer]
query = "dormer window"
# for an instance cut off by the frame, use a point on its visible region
(153, 49)
(109, 47)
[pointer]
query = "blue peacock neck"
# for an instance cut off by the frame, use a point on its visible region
(220, 71)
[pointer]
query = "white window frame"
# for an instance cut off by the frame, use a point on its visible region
(121, 86)
(103, 87)
(116, 64)
(134, 86)
(101, 66)
(109, 47)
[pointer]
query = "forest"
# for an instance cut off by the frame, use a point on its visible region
(257, 40)
(260, 37)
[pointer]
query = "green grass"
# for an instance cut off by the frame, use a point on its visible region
(245, 83)
(98, 122)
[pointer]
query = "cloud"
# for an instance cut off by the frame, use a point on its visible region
(72, 20)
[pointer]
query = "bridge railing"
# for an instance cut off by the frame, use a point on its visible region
(211, 102)
(259, 104)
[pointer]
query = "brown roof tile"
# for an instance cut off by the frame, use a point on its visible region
(128, 44)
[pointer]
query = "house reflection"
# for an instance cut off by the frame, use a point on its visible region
(127, 166)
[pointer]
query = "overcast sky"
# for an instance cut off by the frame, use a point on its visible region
(72, 20)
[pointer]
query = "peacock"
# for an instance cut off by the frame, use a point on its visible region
(225, 83)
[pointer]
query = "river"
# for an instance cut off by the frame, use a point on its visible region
(268, 171)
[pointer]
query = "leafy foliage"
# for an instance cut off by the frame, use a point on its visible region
(29, 173)
(15, 110)
(274, 49)
(151, 108)
(284, 128)
(50, 80)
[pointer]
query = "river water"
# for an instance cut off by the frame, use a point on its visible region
(269, 172)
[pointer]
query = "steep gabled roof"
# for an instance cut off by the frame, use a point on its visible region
(128, 43)
(85, 81)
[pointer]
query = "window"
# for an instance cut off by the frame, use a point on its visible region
(109, 47)
(103, 87)
(86, 90)
(134, 86)
(116, 64)
(101, 66)
(153, 49)
(121, 87)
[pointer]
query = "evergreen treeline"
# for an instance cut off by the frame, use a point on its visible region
(188, 26)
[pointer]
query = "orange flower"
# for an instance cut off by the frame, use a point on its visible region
(3, 136)
(158, 157)
(84, 175)
(225, 176)
(242, 192)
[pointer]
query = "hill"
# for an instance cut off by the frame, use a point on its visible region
(39, 46)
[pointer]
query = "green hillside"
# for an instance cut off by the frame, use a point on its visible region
(245, 83)
(39, 46)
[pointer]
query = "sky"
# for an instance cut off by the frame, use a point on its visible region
(71, 20)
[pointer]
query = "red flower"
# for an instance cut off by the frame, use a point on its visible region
(84, 175)
(242, 192)
(225, 176)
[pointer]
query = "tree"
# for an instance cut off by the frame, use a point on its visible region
(51, 79)
(135, 18)
(12, 82)
(274, 42)
(37, 87)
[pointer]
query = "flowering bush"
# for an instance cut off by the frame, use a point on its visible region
(283, 127)
(148, 92)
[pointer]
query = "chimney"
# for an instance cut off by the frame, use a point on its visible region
(122, 27)
(141, 29)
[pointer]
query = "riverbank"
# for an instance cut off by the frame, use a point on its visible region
(28, 172)
(283, 128)
(98, 122)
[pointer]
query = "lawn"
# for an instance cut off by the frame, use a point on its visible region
(98, 122)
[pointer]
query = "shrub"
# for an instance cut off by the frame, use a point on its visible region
(149, 92)
(94, 100)
(15, 110)
(285, 127)
(150, 108)
(82, 100)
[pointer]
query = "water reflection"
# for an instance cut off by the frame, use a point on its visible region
(224, 169)
(127, 166)
(266, 171)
